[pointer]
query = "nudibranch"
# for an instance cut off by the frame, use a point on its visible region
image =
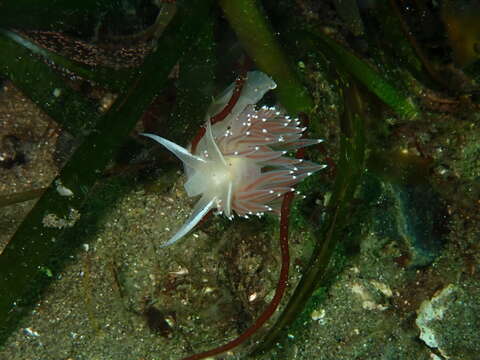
(239, 165)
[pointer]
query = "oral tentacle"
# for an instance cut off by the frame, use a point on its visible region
(201, 209)
(183, 154)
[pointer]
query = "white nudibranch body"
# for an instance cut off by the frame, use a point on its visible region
(238, 166)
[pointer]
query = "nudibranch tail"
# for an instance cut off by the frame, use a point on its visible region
(257, 84)
(239, 165)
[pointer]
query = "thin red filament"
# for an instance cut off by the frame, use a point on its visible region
(279, 291)
(225, 111)
(284, 246)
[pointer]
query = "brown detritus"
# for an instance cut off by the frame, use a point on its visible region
(279, 291)
(402, 260)
(442, 103)
(421, 287)
(471, 265)
(117, 284)
(247, 258)
(171, 283)
(10, 152)
(158, 322)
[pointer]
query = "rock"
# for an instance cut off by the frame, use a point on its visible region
(450, 321)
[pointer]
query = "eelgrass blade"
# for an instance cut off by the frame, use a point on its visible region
(34, 245)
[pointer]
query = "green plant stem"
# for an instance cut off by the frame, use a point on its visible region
(350, 168)
(55, 15)
(195, 84)
(36, 243)
(258, 40)
(366, 75)
(45, 87)
(115, 80)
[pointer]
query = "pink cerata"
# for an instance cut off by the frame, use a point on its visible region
(239, 167)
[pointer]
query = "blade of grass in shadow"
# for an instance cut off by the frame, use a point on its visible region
(58, 15)
(115, 80)
(349, 171)
(367, 76)
(258, 40)
(14, 198)
(41, 236)
(195, 83)
(45, 87)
